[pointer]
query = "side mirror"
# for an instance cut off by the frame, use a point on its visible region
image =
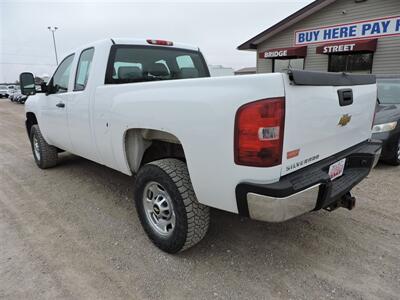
(27, 84)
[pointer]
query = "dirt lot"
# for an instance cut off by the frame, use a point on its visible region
(72, 232)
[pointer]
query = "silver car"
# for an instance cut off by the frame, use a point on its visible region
(4, 91)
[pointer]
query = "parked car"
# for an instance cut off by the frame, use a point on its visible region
(3, 91)
(11, 89)
(267, 146)
(12, 92)
(14, 97)
(387, 120)
(18, 97)
(22, 99)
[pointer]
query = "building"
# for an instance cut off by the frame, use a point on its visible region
(218, 70)
(360, 36)
(246, 71)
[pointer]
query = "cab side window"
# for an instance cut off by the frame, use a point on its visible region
(61, 76)
(184, 61)
(82, 72)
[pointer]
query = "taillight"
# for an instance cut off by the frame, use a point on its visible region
(160, 42)
(259, 128)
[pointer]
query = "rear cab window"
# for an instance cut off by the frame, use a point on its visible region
(83, 69)
(134, 63)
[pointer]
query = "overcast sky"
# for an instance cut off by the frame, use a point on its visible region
(217, 27)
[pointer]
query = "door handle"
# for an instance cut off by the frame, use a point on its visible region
(62, 105)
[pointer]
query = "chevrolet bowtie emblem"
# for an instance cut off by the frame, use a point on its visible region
(344, 120)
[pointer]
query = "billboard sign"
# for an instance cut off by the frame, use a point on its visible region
(387, 26)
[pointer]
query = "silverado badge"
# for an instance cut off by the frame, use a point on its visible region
(344, 120)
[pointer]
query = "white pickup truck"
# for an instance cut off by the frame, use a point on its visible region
(267, 146)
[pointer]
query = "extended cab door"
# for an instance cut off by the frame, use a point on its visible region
(79, 107)
(53, 120)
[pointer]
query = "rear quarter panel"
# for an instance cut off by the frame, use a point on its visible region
(201, 114)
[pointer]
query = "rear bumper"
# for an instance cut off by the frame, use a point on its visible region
(307, 189)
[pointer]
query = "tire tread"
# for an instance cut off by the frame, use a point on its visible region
(48, 153)
(198, 215)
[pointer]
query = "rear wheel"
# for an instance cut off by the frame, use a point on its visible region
(395, 161)
(167, 206)
(45, 155)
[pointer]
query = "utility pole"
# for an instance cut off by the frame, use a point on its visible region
(53, 29)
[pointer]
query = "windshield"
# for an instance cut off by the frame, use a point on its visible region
(389, 91)
(3, 87)
(142, 63)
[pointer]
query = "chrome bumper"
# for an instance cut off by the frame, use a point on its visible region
(273, 209)
(377, 157)
(309, 188)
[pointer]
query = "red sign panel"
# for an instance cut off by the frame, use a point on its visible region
(349, 46)
(292, 52)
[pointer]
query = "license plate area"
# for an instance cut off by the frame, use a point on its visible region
(336, 170)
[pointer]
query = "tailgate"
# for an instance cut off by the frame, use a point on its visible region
(318, 124)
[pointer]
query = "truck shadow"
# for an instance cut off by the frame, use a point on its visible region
(318, 249)
(384, 166)
(230, 237)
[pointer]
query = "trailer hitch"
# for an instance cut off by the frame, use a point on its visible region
(347, 201)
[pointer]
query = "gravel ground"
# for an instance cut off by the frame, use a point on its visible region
(72, 232)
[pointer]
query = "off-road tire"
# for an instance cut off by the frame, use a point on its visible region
(48, 154)
(192, 218)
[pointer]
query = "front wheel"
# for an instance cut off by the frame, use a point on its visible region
(167, 206)
(46, 156)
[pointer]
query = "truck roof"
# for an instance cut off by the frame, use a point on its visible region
(129, 41)
(137, 41)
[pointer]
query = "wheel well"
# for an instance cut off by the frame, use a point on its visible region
(145, 145)
(30, 121)
(160, 149)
